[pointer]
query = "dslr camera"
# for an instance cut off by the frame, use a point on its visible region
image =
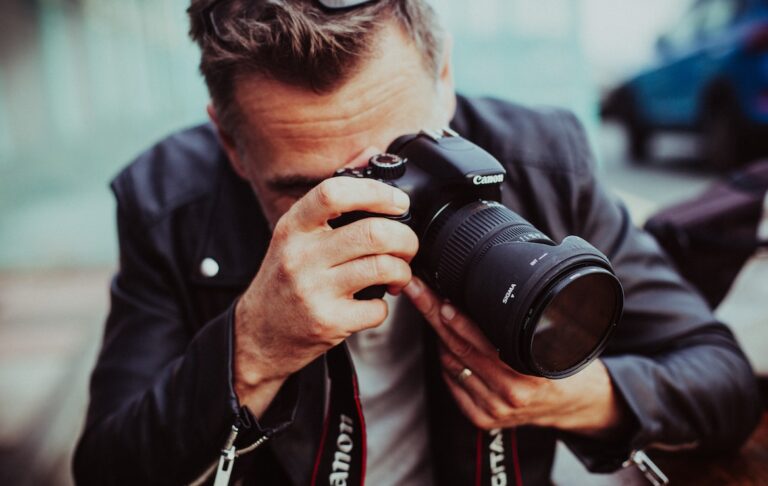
(549, 308)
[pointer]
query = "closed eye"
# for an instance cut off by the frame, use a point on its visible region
(294, 185)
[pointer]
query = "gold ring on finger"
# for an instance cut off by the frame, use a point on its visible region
(465, 373)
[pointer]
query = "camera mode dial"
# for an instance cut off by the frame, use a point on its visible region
(387, 166)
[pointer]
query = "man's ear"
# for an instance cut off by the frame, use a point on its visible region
(445, 86)
(227, 143)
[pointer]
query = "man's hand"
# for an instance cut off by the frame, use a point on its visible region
(496, 396)
(300, 304)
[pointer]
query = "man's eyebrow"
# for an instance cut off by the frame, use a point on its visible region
(288, 182)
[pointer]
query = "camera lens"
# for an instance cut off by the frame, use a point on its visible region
(568, 332)
(549, 308)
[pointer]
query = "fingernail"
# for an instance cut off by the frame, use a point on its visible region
(448, 312)
(413, 289)
(401, 200)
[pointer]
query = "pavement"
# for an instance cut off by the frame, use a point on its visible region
(51, 323)
(50, 328)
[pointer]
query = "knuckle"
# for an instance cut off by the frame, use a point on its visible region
(429, 307)
(375, 267)
(462, 349)
(284, 271)
(380, 190)
(288, 263)
(316, 329)
(450, 363)
(326, 193)
(374, 233)
(524, 399)
(398, 271)
(461, 324)
(515, 397)
(322, 328)
(280, 232)
(497, 411)
(484, 423)
(447, 362)
(304, 288)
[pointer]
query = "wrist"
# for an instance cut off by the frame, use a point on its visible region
(256, 381)
(595, 408)
(252, 367)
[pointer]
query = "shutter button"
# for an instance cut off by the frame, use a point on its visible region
(209, 267)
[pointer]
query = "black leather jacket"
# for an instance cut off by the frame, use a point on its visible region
(162, 402)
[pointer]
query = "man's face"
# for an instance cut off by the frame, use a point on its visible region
(293, 138)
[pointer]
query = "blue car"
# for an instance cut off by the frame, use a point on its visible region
(711, 77)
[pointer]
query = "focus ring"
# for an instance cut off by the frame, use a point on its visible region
(463, 240)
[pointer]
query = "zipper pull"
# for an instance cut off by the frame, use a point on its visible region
(650, 470)
(227, 460)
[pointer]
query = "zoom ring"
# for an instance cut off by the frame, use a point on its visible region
(464, 239)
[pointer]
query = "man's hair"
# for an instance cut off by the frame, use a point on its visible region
(299, 42)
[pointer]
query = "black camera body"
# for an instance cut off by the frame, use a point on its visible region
(549, 308)
(435, 169)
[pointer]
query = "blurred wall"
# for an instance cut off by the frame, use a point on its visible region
(85, 85)
(619, 35)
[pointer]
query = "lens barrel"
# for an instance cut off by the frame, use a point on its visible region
(549, 308)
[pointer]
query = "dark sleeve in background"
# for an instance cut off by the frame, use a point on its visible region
(680, 372)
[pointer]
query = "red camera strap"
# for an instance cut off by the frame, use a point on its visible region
(497, 458)
(340, 459)
(341, 456)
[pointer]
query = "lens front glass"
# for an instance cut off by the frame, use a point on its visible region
(574, 322)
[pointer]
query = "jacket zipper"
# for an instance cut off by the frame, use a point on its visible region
(227, 459)
(650, 470)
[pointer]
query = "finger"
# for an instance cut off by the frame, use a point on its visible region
(394, 290)
(484, 359)
(357, 315)
(430, 305)
(488, 400)
(465, 341)
(363, 272)
(424, 300)
(369, 236)
(473, 412)
(337, 195)
(462, 326)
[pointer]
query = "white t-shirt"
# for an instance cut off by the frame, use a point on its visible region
(388, 361)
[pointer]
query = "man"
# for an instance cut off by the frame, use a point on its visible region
(233, 289)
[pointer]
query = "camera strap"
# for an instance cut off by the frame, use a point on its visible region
(341, 455)
(497, 458)
(340, 458)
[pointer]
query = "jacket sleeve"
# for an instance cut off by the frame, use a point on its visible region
(679, 371)
(162, 402)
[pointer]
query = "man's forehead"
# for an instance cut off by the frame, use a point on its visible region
(394, 67)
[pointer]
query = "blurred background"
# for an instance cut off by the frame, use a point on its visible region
(85, 85)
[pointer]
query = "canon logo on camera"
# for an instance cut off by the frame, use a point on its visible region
(479, 180)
